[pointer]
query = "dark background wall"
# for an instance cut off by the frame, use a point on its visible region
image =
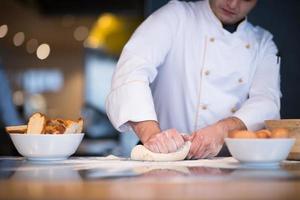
(282, 19)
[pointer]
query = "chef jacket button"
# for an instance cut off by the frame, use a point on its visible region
(212, 39)
(207, 72)
(233, 110)
(240, 80)
(248, 46)
(204, 107)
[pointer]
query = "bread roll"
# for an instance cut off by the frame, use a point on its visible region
(264, 133)
(80, 125)
(71, 127)
(61, 126)
(280, 133)
(55, 126)
(39, 124)
(36, 124)
(16, 129)
(242, 134)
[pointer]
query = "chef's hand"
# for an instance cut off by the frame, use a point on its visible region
(167, 141)
(156, 140)
(207, 142)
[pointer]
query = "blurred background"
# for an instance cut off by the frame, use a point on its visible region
(57, 57)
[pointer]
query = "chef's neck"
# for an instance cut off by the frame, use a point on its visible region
(232, 27)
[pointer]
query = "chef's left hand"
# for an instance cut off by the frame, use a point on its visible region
(207, 142)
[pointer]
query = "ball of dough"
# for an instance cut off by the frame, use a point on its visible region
(280, 133)
(140, 152)
(242, 134)
(264, 133)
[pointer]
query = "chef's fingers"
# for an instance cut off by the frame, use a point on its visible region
(170, 143)
(209, 148)
(187, 137)
(193, 134)
(192, 150)
(205, 149)
(162, 144)
(152, 147)
(176, 137)
(196, 143)
(211, 155)
(215, 151)
(205, 153)
(156, 147)
(200, 150)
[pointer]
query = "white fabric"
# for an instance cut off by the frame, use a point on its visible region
(198, 72)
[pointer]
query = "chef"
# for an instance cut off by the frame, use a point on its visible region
(199, 68)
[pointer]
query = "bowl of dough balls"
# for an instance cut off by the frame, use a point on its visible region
(266, 146)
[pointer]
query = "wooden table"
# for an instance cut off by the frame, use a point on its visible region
(91, 178)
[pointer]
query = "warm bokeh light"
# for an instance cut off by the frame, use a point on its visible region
(31, 45)
(43, 51)
(111, 32)
(106, 24)
(3, 30)
(86, 43)
(81, 33)
(19, 39)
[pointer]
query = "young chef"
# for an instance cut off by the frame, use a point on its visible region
(198, 68)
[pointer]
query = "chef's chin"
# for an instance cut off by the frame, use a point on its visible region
(226, 18)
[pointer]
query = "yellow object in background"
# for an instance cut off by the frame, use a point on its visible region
(111, 32)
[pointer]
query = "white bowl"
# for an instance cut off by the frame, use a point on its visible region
(260, 151)
(45, 146)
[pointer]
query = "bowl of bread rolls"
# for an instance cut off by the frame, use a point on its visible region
(45, 139)
(265, 146)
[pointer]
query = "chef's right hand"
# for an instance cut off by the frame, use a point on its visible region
(167, 141)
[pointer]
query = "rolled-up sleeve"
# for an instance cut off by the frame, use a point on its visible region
(264, 96)
(130, 98)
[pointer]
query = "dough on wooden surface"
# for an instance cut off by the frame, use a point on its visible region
(140, 152)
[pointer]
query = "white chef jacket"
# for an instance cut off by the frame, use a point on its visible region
(182, 69)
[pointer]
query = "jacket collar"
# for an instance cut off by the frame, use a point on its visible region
(212, 19)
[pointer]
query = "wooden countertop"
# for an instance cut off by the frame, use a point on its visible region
(97, 178)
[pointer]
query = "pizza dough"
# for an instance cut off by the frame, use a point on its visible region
(140, 152)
